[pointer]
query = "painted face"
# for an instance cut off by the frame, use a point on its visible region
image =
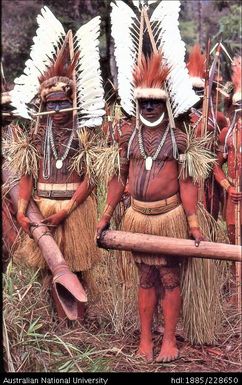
(152, 109)
(57, 105)
(199, 91)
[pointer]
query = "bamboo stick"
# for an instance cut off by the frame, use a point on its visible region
(54, 112)
(153, 244)
(38, 119)
(237, 210)
(205, 113)
(71, 50)
(217, 63)
(141, 31)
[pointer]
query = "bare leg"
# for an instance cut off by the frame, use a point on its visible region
(171, 310)
(147, 303)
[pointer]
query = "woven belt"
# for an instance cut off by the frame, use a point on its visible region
(57, 190)
(157, 207)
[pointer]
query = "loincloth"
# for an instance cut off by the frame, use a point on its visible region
(75, 236)
(166, 218)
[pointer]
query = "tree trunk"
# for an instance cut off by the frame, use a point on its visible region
(153, 244)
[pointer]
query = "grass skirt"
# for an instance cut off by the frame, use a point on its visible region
(172, 224)
(75, 236)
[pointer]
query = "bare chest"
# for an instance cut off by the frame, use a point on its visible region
(156, 148)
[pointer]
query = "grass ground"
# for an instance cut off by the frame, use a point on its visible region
(35, 341)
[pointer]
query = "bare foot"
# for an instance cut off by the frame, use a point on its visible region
(145, 352)
(168, 352)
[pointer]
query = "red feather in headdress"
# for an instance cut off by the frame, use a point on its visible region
(60, 75)
(149, 77)
(236, 79)
(61, 67)
(196, 62)
(236, 76)
(150, 73)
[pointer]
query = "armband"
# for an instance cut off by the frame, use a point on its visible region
(22, 205)
(192, 221)
(225, 184)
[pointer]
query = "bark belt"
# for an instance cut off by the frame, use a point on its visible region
(57, 190)
(157, 207)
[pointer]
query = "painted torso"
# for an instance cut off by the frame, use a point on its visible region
(162, 180)
(61, 138)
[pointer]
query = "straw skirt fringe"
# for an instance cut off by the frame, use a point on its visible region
(172, 224)
(75, 236)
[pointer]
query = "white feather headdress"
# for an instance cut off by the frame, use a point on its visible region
(165, 29)
(48, 41)
(125, 32)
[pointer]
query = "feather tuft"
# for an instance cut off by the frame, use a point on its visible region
(150, 73)
(196, 62)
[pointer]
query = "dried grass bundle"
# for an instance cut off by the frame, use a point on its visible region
(83, 162)
(198, 159)
(118, 300)
(20, 155)
(99, 160)
(107, 162)
(9, 184)
(213, 230)
(202, 283)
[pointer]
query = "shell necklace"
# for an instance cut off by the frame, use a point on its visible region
(59, 161)
(49, 143)
(151, 124)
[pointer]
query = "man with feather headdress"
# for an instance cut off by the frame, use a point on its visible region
(196, 65)
(52, 159)
(229, 150)
(153, 158)
(229, 146)
(216, 120)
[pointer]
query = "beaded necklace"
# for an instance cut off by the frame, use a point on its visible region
(50, 144)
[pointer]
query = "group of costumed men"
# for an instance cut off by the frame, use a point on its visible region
(164, 143)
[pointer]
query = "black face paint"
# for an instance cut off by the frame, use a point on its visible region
(149, 103)
(56, 105)
(199, 92)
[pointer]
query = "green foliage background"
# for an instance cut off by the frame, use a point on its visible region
(199, 19)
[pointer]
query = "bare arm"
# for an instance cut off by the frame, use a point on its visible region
(218, 171)
(189, 198)
(25, 193)
(221, 178)
(116, 189)
(80, 195)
